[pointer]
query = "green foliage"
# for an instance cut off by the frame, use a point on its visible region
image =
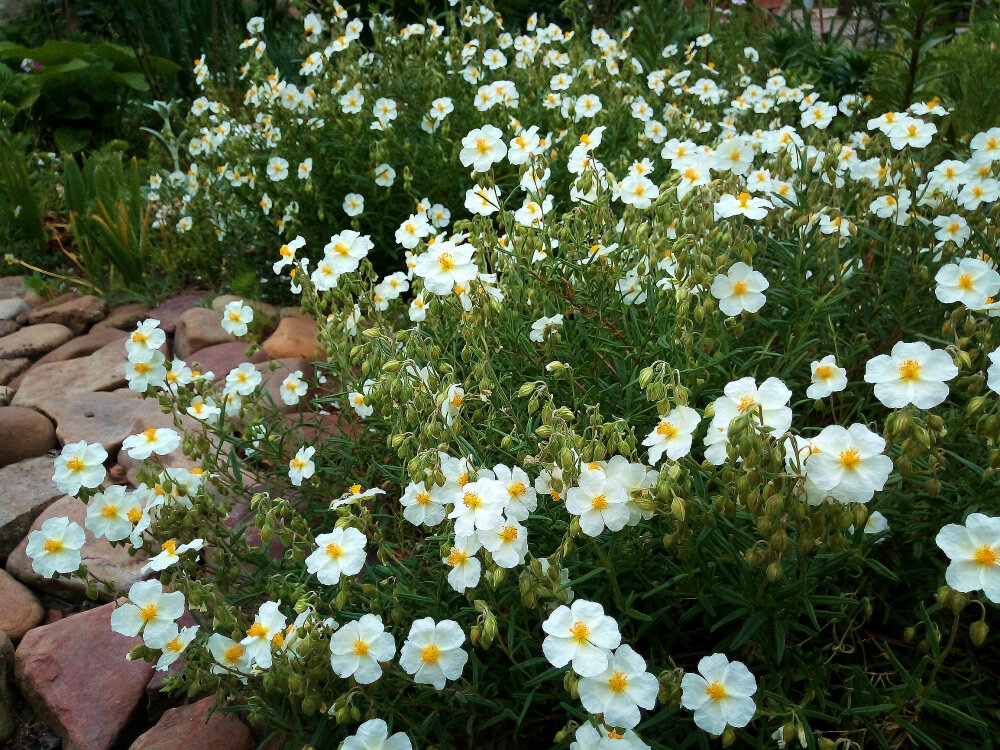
(109, 219)
(23, 195)
(72, 92)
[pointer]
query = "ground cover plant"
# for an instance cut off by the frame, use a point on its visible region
(661, 414)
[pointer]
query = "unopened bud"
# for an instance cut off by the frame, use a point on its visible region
(978, 632)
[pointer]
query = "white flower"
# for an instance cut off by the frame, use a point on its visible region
(149, 610)
(420, 506)
(292, 388)
(589, 737)
(721, 695)
(876, 523)
(203, 408)
(264, 633)
(599, 501)
(673, 434)
(507, 543)
(912, 373)
(153, 440)
(235, 317)
(993, 371)
(444, 265)
(228, 654)
(374, 735)
(582, 634)
(433, 652)
(384, 175)
(79, 465)
(741, 205)
(482, 148)
(357, 402)
(243, 380)
(620, 689)
(277, 168)
(354, 204)
(827, 377)
(55, 547)
(848, 463)
(301, 466)
(482, 201)
(970, 281)
(145, 368)
(974, 550)
(358, 647)
(147, 335)
(637, 191)
(741, 288)
(452, 403)
(341, 552)
(171, 553)
(544, 327)
(465, 566)
(479, 505)
(174, 643)
(113, 513)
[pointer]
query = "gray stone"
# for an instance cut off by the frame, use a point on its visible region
(107, 563)
(10, 369)
(76, 314)
(104, 417)
(11, 308)
(12, 286)
(34, 341)
(26, 489)
(104, 370)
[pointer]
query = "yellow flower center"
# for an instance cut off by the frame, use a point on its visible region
(986, 555)
(716, 691)
(965, 281)
(170, 547)
(579, 632)
(456, 400)
(147, 613)
(742, 199)
(457, 557)
(174, 645)
(666, 429)
(745, 403)
(334, 551)
(423, 498)
(824, 372)
(149, 434)
(109, 512)
(447, 262)
(355, 489)
(256, 630)
(517, 489)
(463, 480)
(234, 653)
(75, 464)
(53, 545)
(740, 288)
(430, 654)
(618, 682)
(599, 503)
(360, 648)
(482, 145)
(298, 463)
(909, 370)
(471, 500)
(850, 459)
(509, 534)
(139, 337)
(613, 735)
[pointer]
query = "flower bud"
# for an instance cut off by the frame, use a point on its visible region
(978, 632)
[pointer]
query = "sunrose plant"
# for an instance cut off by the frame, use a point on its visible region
(675, 433)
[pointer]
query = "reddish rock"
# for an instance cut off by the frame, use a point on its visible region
(75, 676)
(8, 327)
(81, 346)
(26, 490)
(169, 313)
(222, 358)
(124, 317)
(104, 370)
(106, 417)
(8, 724)
(52, 615)
(33, 342)
(196, 727)
(294, 337)
(10, 369)
(24, 433)
(197, 329)
(21, 610)
(106, 562)
(76, 314)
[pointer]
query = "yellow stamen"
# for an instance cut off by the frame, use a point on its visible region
(430, 654)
